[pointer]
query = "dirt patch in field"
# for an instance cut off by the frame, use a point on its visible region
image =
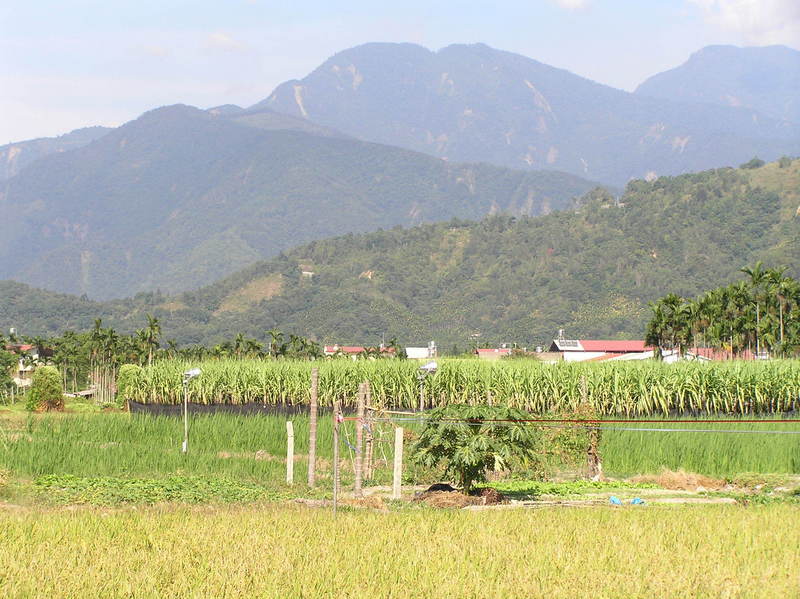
(491, 496)
(456, 500)
(373, 503)
(444, 499)
(681, 481)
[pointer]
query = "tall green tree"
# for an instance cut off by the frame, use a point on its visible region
(152, 337)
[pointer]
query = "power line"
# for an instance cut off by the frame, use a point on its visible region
(597, 425)
(592, 421)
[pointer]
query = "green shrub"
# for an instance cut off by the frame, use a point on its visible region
(45, 392)
(470, 440)
(754, 162)
(127, 379)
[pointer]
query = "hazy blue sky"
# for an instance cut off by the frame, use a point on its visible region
(71, 63)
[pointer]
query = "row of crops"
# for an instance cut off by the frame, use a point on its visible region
(629, 388)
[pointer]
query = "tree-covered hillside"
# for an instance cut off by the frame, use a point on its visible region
(16, 156)
(182, 197)
(503, 279)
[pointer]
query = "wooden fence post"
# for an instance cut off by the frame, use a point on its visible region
(289, 452)
(335, 455)
(593, 460)
(398, 463)
(370, 437)
(359, 461)
(312, 428)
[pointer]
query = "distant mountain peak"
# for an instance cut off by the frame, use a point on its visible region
(761, 78)
(17, 155)
(225, 110)
(475, 103)
(172, 111)
(730, 49)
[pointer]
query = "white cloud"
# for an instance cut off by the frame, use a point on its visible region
(155, 50)
(757, 21)
(223, 41)
(572, 4)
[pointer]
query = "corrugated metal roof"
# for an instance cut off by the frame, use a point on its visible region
(345, 349)
(613, 345)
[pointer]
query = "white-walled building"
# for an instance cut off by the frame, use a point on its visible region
(23, 373)
(422, 353)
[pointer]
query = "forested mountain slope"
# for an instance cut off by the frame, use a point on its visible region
(182, 197)
(474, 103)
(591, 271)
(765, 79)
(16, 156)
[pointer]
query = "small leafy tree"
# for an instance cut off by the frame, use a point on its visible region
(469, 440)
(45, 393)
(754, 162)
(7, 363)
(126, 379)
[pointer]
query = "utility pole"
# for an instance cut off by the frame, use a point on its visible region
(312, 428)
(359, 461)
(336, 480)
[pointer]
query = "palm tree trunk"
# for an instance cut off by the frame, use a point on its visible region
(758, 321)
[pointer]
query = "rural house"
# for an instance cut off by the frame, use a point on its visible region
(354, 350)
(23, 373)
(584, 350)
(493, 353)
(422, 353)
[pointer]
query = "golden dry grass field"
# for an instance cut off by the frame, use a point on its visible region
(280, 550)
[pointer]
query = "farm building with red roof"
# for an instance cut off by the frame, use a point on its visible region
(493, 353)
(584, 350)
(354, 350)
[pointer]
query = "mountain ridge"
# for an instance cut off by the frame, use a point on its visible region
(17, 155)
(766, 79)
(474, 103)
(180, 197)
(590, 271)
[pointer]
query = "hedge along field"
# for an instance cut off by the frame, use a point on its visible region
(621, 388)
